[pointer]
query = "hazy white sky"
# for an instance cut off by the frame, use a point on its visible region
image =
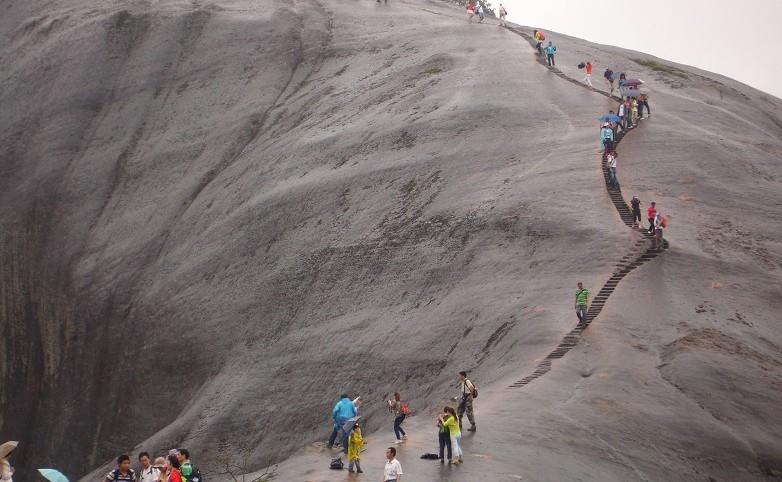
(741, 39)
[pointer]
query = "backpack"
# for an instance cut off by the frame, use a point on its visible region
(664, 221)
(195, 475)
(581, 65)
(542, 37)
(429, 456)
(405, 409)
(474, 389)
(337, 464)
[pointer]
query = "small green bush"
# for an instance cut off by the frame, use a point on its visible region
(658, 67)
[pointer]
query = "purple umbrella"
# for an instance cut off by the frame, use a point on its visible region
(633, 82)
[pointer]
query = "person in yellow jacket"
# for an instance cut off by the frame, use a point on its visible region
(450, 420)
(355, 444)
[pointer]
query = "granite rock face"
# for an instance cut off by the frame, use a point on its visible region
(217, 216)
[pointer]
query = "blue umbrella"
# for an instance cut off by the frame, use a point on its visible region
(53, 475)
(608, 118)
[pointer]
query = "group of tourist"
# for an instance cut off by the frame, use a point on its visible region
(173, 467)
(346, 429)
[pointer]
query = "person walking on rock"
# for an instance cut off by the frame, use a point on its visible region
(400, 411)
(551, 49)
(582, 302)
(341, 413)
(393, 469)
(444, 438)
(503, 14)
(479, 11)
(539, 38)
(644, 102)
(355, 444)
(609, 76)
(659, 225)
(636, 205)
(588, 77)
(452, 422)
(651, 213)
(470, 11)
(468, 391)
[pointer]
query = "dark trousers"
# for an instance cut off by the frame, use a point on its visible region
(651, 225)
(608, 145)
(612, 176)
(540, 49)
(333, 436)
(445, 442)
(550, 58)
(398, 426)
(637, 216)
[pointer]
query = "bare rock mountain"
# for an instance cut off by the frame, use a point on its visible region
(216, 216)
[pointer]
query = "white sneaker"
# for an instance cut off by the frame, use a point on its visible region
(397, 441)
(404, 437)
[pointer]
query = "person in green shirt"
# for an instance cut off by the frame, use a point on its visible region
(450, 420)
(185, 466)
(582, 301)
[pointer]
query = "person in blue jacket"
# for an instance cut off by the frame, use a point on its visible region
(550, 50)
(343, 411)
(607, 138)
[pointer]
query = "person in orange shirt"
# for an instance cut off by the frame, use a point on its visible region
(588, 77)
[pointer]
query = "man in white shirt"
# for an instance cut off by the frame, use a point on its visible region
(148, 473)
(393, 470)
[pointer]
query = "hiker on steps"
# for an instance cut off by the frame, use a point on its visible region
(622, 114)
(551, 49)
(607, 138)
(609, 76)
(651, 213)
(539, 38)
(611, 162)
(468, 393)
(503, 14)
(582, 303)
(400, 410)
(588, 77)
(643, 102)
(660, 223)
(636, 205)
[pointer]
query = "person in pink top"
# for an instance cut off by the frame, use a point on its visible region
(470, 11)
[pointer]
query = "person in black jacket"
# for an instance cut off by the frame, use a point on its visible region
(636, 205)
